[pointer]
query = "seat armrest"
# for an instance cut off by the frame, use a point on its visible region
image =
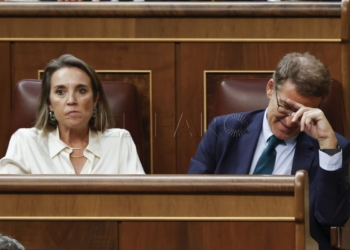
(340, 237)
(336, 233)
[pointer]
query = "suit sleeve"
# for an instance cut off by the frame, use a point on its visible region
(333, 195)
(204, 162)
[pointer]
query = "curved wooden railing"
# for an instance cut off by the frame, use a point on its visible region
(145, 203)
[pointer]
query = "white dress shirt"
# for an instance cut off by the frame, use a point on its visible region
(285, 153)
(32, 152)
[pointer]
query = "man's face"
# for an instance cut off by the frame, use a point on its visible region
(281, 123)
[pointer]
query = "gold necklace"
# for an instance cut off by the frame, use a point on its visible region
(79, 156)
(77, 148)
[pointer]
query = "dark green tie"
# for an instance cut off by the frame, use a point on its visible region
(266, 162)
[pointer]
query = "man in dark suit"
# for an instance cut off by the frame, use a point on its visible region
(302, 138)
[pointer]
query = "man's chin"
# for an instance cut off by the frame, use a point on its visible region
(283, 135)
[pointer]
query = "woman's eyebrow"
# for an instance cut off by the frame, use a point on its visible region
(59, 86)
(81, 85)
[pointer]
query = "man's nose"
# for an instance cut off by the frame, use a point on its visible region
(288, 121)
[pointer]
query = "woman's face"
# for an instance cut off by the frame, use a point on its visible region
(71, 98)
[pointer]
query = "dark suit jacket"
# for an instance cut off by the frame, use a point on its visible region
(228, 147)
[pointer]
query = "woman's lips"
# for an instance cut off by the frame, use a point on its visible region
(72, 112)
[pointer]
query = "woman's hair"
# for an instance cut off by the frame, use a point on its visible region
(309, 75)
(103, 119)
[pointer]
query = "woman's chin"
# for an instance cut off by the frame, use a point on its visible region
(75, 126)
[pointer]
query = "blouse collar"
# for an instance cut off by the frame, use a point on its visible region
(56, 145)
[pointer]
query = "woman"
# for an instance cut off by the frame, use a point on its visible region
(70, 135)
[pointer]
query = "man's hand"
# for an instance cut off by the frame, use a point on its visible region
(313, 122)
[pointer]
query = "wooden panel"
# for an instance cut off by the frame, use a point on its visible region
(147, 196)
(147, 205)
(69, 235)
(207, 235)
(170, 28)
(228, 28)
(158, 58)
(5, 90)
(345, 56)
(196, 58)
(170, 21)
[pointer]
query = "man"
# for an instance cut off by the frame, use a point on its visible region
(302, 137)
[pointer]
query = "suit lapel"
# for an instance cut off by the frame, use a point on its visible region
(304, 153)
(247, 145)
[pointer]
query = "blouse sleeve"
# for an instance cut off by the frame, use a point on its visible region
(12, 163)
(130, 161)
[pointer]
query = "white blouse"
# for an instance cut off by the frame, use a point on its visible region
(32, 152)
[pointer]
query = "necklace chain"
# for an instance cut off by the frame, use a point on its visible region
(77, 148)
(79, 156)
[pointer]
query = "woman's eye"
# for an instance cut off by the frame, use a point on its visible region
(82, 91)
(59, 92)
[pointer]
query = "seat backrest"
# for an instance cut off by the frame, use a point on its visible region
(122, 99)
(238, 95)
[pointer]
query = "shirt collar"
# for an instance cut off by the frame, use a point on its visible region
(56, 145)
(267, 133)
(94, 143)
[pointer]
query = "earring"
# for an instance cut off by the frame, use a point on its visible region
(94, 112)
(52, 116)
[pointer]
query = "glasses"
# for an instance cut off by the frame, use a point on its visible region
(284, 109)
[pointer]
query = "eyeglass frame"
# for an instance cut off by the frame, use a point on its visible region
(288, 108)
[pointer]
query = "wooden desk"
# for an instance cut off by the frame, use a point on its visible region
(156, 212)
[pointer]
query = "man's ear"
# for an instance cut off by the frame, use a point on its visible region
(270, 87)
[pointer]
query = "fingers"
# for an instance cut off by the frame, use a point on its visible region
(304, 115)
(313, 122)
(309, 118)
(294, 104)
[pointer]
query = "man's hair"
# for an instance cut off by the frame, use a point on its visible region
(309, 75)
(103, 119)
(7, 243)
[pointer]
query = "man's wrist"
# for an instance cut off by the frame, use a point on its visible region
(331, 151)
(328, 143)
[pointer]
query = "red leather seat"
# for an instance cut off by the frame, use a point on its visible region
(121, 96)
